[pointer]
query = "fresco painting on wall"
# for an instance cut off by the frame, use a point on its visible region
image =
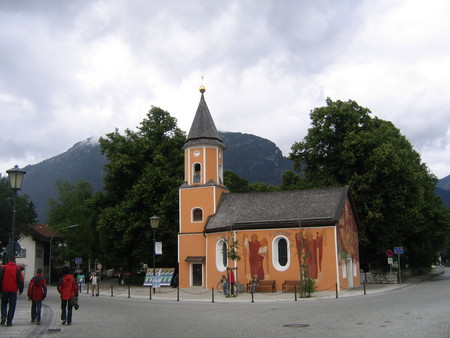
(348, 237)
(310, 250)
(309, 246)
(255, 252)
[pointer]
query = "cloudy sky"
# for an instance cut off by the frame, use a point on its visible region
(74, 69)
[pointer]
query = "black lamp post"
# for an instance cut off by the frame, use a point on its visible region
(154, 223)
(15, 180)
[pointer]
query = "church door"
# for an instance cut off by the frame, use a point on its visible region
(197, 277)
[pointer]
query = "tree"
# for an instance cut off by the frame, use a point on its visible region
(393, 190)
(143, 174)
(73, 207)
(25, 211)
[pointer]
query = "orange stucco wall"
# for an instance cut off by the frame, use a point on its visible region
(209, 158)
(189, 245)
(348, 249)
(320, 243)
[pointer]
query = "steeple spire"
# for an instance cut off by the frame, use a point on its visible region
(203, 129)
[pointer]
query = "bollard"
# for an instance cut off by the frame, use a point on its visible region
(128, 291)
(364, 283)
(212, 295)
(178, 293)
(252, 297)
(112, 290)
(87, 288)
(150, 293)
(337, 296)
(295, 292)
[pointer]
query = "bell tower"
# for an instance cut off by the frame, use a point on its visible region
(200, 193)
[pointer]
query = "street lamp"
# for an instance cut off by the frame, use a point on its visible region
(50, 251)
(154, 223)
(15, 180)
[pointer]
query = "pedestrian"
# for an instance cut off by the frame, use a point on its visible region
(255, 283)
(11, 281)
(37, 291)
(94, 283)
(68, 289)
(232, 283)
(223, 281)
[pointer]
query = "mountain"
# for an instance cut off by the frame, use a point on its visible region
(444, 183)
(251, 157)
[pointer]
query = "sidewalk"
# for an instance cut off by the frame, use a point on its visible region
(23, 328)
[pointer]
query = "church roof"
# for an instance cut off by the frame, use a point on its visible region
(203, 130)
(292, 208)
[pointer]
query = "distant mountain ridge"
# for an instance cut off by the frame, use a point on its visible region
(251, 157)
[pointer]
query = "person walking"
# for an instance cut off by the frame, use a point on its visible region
(95, 284)
(11, 281)
(68, 289)
(37, 291)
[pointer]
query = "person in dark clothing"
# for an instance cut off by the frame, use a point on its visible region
(37, 291)
(11, 281)
(68, 289)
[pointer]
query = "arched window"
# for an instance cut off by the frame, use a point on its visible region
(220, 173)
(280, 253)
(197, 215)
(197, 172)
(221, 255)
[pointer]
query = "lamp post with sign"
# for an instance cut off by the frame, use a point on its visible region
(15, 180)
(399, 251)
(154, 223)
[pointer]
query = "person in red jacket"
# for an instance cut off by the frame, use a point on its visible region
(11, 281)
(68, 289)
(37, 291)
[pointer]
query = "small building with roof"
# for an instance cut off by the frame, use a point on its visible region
(274, 236)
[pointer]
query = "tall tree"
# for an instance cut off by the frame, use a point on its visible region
(70, 208)
(143, 174)
(393, 190)
(25, 211)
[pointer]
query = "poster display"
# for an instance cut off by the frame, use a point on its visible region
(163, 277)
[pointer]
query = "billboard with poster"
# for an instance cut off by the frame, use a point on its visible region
(163, 277)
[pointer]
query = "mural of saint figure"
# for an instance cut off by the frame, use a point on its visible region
(310, 251)
(257, 251)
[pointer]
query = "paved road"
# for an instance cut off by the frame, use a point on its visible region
(414, 310)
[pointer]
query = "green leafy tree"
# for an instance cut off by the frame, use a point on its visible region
(72, 206)
(393, 190)
(25, 211)
(143, 174)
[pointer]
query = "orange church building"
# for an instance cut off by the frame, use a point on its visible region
(277, 235)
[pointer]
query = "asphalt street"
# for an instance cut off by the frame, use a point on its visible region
(417, 308)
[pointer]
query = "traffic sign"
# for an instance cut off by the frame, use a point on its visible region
(78, 260)
(389, 253)
(398, 250)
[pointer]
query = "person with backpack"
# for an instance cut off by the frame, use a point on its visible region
(37, 291)
(68, 289)
(11, 281)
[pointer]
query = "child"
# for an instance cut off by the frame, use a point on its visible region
(223, 280)
(37, 291)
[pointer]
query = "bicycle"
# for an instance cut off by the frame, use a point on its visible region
(229, 291)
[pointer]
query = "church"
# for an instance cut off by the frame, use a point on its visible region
(274, 236)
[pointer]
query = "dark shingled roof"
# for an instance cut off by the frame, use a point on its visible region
(203, 129)
(278, 209)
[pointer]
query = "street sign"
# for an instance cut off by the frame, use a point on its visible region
(398, 250)
(390, 260)
(12, 249)
(99, 266)
(389, 253)
(78, 260)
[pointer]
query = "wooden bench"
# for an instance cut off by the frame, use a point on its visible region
(289, 283)
(262, 284)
